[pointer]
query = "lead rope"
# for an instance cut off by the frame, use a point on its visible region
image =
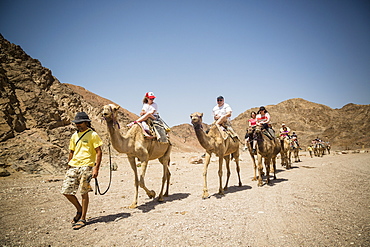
(97, 189)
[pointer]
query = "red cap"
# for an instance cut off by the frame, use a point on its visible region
(150, 95)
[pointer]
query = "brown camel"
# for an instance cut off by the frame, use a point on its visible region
(285, 152)
(136, 146)
(295, 150)
(213, 142)
(267, 149)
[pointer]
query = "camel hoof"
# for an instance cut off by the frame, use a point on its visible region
(260, 184)
(205, 195)
(240, 184)
(132, 206)
(160, 199)
(151, 194)
(254, 179)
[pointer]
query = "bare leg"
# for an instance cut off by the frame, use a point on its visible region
(73, 199)
(85, 204)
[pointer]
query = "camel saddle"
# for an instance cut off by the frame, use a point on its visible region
(159, 129)
(230, 131)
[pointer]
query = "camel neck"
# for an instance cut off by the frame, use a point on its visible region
(202, 138)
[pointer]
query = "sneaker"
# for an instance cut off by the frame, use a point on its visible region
(132, 123)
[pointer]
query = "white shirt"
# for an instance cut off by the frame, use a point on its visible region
(221, 110)
(153, 108)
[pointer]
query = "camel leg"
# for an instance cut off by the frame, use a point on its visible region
(220, 161)
(227, 161)
(289, 160)
(254, 162)
(150, 193)
(205, 168)
(168, 180)
(267, 165)
(136, 181)
(236, 157)
(166, 177)
(274, 166)
(260, 170)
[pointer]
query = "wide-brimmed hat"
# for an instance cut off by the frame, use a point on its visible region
(81, 117)
(150, 95)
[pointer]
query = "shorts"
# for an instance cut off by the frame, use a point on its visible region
(77, 177)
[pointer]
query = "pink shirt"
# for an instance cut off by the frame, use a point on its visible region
(252, 121)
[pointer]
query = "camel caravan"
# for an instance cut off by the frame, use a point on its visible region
(319, 148)
(147, 139)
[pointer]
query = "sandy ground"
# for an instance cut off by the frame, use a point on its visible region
(320, 202)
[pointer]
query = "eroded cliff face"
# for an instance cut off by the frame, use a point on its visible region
(35, 114)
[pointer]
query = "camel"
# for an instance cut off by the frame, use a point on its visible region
(135, 145)
(295, 150)
(285, 152)
(319, 149)
(267, 149)
(250, 150)
(214, 142)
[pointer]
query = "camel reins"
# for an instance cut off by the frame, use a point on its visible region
(97, 188)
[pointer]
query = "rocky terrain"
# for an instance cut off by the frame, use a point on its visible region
(319, 202)
(36, 112)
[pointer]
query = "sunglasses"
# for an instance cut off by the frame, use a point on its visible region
(220, 100)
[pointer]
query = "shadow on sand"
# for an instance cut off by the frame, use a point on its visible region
(232, 189)
(109, 218)
(148, 206)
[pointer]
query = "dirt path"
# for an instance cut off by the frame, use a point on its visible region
(320, 202)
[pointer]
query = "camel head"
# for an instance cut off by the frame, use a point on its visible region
(196, 119)
(258, 130)
(109, 113)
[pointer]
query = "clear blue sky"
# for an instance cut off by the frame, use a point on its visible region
(189, 52)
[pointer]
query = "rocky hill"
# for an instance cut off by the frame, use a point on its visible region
(345, 128)
(36, 112)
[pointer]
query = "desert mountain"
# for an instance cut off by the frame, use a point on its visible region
(36, 112)
(345, 128)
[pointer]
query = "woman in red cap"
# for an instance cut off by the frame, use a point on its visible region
(149, 110)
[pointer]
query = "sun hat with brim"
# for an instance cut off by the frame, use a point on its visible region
(81, 117)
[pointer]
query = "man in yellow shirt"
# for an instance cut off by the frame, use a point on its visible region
(84, 163)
